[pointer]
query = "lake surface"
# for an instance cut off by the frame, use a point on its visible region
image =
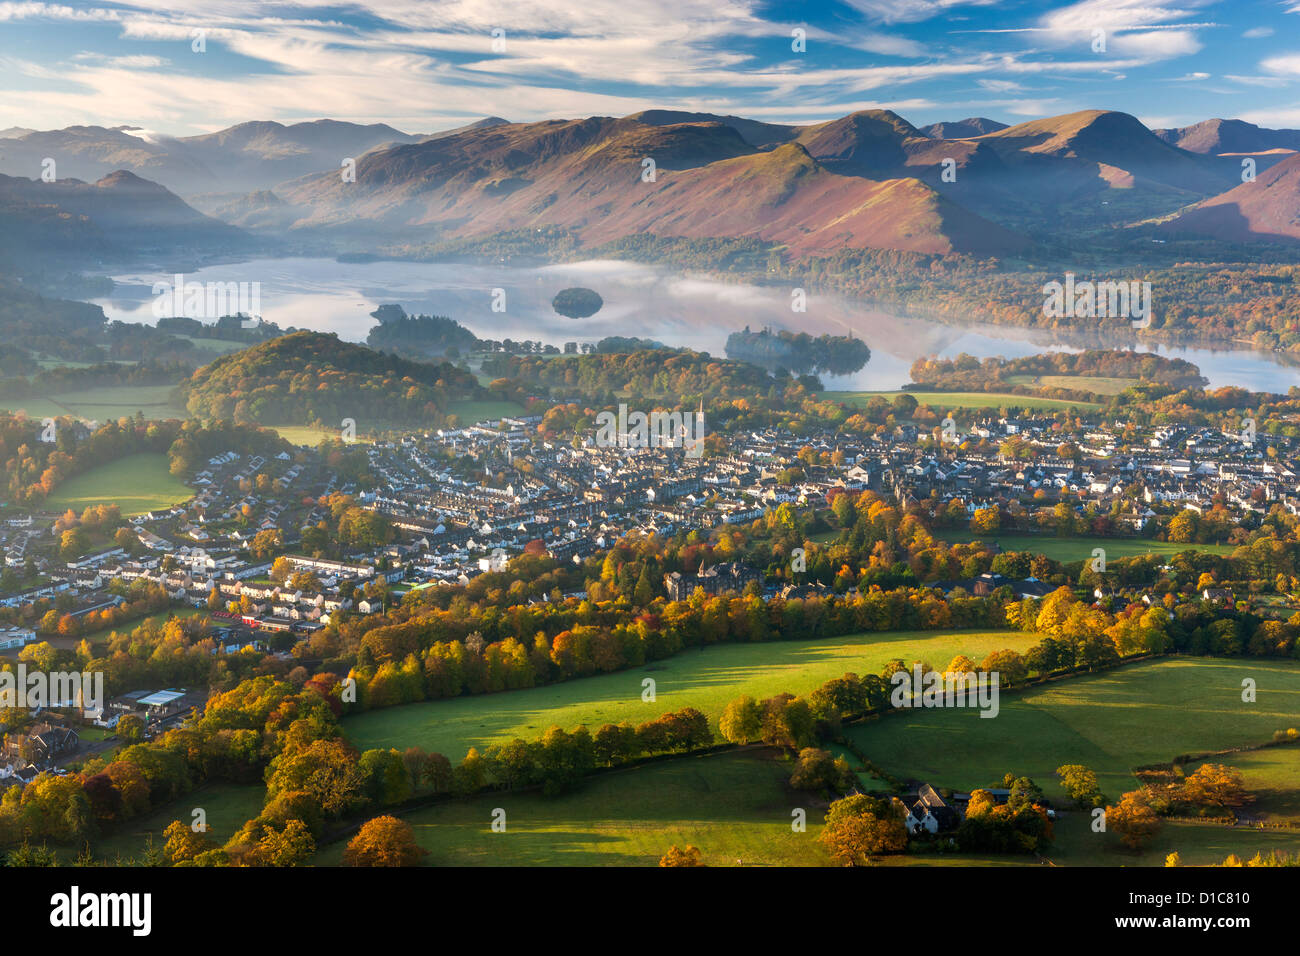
(642, 301)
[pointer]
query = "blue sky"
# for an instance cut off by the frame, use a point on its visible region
(425, 65)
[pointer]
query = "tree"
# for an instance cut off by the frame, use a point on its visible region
(788, 722)
(676, 856)
(1134, 820)
(130, 728)
(1216, 785)
(818, 770)
(184, 842)
(383, 841)
(282, 569)
(741, 721)
(980, 803)
(437, 773)
(291, 846)
(1081, 784)
(859, 827)
(415, 760)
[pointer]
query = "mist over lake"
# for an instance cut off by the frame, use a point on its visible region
(644, 301)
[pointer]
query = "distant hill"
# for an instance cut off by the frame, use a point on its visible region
(1215, 136)
(868, 180)
(241, 159)
(117, 216)
(753, 132)
(477, 124)
(311, 377)
(971, 126)
(590, 176)
(1095, 147)
(1267, 209)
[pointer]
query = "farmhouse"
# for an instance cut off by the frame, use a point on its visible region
(930, 814)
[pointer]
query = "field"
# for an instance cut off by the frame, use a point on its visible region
(136, 483)
(310, 435)
(1078, 549)
(215, 346)
(476, 411)
(1273, 776)
(1198, 844)
(706, 679)
(1112, 722)
(101, 404)
(947, 400)
(1086, 383)
(733, 806)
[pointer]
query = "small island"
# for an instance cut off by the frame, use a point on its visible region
(577, 303)
(799, 353)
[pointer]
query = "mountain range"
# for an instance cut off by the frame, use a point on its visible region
(867, 180)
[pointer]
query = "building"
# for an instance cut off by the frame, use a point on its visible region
(42, 742)
(719, 579)
(12, 638)
(930, 814)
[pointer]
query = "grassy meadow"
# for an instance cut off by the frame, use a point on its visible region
(1079, 549)
(1112, 722)
(136, 483)
(100, 404)
(706, 679)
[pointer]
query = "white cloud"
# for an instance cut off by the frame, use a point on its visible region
(1288, 65)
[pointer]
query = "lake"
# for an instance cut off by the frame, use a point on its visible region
(644, 301)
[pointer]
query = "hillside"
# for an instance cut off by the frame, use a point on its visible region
(1268, 208)
(310, 377)
(1215, 136)
(243, 158)
(587, 176)
(119, 215)
(971, 126)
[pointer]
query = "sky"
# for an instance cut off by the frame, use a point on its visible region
(187, 67)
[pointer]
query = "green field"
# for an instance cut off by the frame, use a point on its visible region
(1272, 775)
(948, 400)
(1078, 549)
(101, 404)
(706, 679)
(490, 410)
(216, 346)
(733, 806)
(310, 435)
(136, 483)
(1198, 844)
(1112, 722)
(1099, 384)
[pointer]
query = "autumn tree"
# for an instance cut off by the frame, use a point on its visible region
(184, 842)
(859, 827)
(1134, 820)
(676, 856)
(383, 841)
(741, 721)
